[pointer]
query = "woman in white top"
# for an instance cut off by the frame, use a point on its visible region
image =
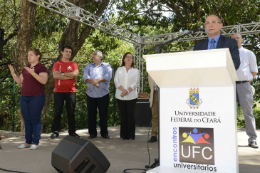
(127, 79)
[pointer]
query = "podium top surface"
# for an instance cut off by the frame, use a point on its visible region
(192, 68)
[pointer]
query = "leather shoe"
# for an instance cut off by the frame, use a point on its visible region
(253, 144)
(92, 136)
(106, 137)
(153, 139)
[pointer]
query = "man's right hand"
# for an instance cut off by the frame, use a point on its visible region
(67, 77)
(93, 81)
(58, 75)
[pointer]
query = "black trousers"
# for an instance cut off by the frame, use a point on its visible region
(59, 99)
(127, 110)
(102, 105)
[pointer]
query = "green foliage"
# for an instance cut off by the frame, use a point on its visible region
(241, 120)
(184, 14)
(9, 17)
(257, 118)
(48, 22)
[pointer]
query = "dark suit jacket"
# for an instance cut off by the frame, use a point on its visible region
(223, 42)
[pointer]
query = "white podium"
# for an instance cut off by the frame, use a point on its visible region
(198, 127)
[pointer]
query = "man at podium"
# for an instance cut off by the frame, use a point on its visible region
(213, 25)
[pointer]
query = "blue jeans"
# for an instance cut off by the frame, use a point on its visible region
(31, 108)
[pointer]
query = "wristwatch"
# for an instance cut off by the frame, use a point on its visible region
(62, 74)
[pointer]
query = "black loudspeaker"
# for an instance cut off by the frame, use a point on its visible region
(143, 113)
(74, 155)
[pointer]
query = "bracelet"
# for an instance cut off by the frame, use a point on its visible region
(127, 90)
(34, 74)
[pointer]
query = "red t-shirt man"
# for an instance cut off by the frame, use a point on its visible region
(65, 85)
(64, 72)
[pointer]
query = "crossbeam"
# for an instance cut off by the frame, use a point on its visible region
(72, 11)
(243, 29)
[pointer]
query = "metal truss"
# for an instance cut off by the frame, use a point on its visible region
(243, 29)
(74, 12)
(139, 63)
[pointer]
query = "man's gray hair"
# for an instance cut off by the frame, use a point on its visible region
(99, 53)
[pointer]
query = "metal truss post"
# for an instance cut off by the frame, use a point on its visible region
(139, 63)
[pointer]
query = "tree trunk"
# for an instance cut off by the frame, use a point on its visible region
(24, 37)
(73, 38)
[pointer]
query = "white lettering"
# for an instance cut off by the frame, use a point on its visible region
(183, 154)
(207, 158)
(193, 150)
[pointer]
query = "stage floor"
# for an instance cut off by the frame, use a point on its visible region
(121, 154)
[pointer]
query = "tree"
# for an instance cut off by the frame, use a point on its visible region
(186, 14)
(25, 34)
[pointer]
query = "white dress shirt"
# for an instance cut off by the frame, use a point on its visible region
(126, 80)
(247, 65)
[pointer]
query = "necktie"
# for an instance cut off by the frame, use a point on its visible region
(212, 44)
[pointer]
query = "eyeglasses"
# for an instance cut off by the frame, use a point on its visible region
(213, 23)
(129, 57)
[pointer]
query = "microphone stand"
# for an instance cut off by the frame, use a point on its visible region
(158, 51)
(158, 47)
